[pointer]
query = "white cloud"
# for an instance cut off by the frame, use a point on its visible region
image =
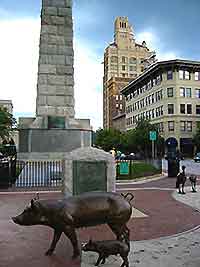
(154, 43)
(19, 51)
(18, 62)
(88, 85)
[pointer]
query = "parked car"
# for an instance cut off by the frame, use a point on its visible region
(197, 157)
(130, 156)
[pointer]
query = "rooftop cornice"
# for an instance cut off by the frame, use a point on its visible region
(175, 63)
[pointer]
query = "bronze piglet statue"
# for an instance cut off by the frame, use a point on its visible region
(87, 209)
(107, 248)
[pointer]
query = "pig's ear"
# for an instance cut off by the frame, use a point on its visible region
(32, 204)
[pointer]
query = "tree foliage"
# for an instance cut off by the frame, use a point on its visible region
(108, 139)
(134, 140)
(7, 122)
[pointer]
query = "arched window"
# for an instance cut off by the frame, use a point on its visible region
(132, 60)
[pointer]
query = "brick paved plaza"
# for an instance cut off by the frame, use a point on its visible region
(165, 216)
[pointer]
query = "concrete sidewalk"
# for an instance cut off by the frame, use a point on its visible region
(171, 251)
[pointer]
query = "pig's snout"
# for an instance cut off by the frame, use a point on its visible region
(16, 220)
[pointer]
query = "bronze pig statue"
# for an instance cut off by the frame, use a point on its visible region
(108, 247)
(87, 209)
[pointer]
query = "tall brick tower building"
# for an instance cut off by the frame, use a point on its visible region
(124, 60)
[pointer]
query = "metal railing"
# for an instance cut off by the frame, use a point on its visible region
(39, 174)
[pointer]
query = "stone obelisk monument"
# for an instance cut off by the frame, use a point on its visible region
(54, 129)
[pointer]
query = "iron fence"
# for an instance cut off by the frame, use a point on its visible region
(39, 174)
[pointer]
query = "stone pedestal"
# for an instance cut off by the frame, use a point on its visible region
(88, 169)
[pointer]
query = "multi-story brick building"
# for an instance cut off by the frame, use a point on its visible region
(124, 60)
(168, 94)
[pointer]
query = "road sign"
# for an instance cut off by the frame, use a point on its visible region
(152, 135)
(124, 168)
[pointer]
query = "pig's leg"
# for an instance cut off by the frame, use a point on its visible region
(71, 234)
(56, 237)
(125, 262)
(121, 231)
(103, 260)
(98, 260)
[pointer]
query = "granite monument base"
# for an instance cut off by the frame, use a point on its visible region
(57, 141)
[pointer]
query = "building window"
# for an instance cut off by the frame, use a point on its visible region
(188, 92)
(169, 75)
(171, 126)
(158, 79)
(197, 109)
(152, 98)
(132, 60)
(183, 126)
(117, 105)
(149, 100)
(197, 75)
(189, 126)
(197, 92)
(123, 67)
(120, 97)
(152, 113)
(184, 75)
(146, 101)
(161, 127)
(132, 68)
(114, 59)
(123, 59)
(161, 110)
(117, 97)
(182, 91)
(170, 92)
(170, 108)
(182, 108)
(189, 109)
(120, 107)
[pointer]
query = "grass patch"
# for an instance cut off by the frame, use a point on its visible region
(137, 170)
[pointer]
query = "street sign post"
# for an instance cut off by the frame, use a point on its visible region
(153, 137)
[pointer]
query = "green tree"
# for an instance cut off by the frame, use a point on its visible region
(138, 138)
(7, 122)
(108, 139)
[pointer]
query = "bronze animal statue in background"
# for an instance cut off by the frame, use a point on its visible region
(180, 181)
(193, 181)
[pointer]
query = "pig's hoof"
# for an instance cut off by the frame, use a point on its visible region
(49, 252)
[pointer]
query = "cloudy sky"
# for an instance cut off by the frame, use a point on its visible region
(169, 27)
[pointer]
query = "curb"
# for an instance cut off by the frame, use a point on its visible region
(141, 180)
